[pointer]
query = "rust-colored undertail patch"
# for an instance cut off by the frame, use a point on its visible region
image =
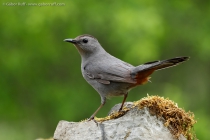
(143, 77)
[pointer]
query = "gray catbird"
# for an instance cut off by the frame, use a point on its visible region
(110, 76)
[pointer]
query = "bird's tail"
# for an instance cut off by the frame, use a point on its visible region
(157, 65)
(142, 72)
(168, 63)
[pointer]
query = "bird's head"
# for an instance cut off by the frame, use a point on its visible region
(86, 44)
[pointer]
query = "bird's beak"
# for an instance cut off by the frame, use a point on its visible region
(70, 40)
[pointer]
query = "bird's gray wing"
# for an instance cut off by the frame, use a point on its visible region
(116, 72)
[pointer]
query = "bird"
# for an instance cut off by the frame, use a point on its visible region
(110, 76)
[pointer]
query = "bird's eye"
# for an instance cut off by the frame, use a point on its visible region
(85, 40)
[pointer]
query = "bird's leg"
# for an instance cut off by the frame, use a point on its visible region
(103, 101)
(92, 116)
(125, 96)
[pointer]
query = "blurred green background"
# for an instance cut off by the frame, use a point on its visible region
(40, 77)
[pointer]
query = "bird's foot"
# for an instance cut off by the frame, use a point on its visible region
(120, 110)
(92, 118)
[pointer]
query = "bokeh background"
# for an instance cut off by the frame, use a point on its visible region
(40, 77)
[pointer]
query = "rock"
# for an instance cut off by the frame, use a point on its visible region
(150, 118)
(135, 124)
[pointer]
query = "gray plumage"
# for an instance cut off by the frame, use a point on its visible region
(110, 76)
